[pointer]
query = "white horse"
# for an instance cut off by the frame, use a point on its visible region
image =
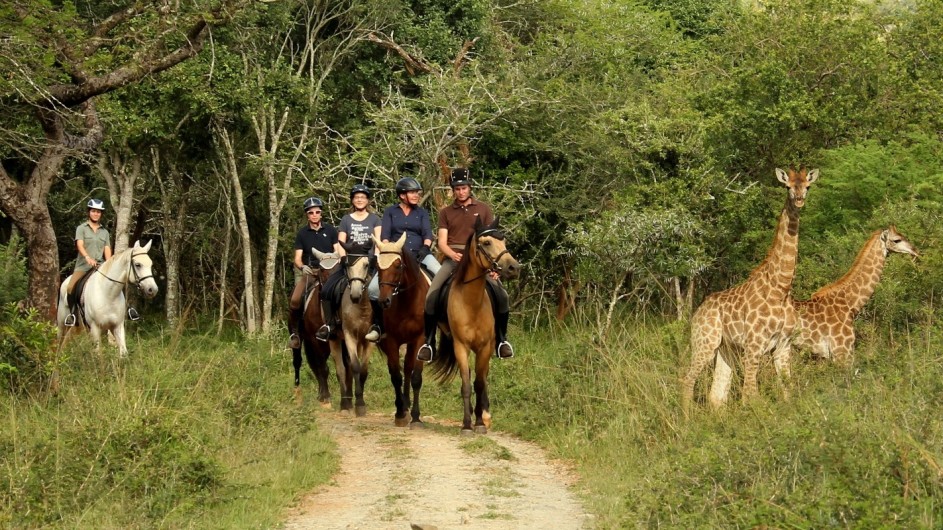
(103, 306)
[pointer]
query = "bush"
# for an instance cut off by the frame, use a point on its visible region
(28, 360)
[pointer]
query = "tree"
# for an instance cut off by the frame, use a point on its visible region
(58, 60)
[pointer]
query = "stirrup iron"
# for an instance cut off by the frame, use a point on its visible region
(70, 321)
(133, 314)
(498, 350)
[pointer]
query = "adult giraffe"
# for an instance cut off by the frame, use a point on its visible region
(756, 316)
(826, 319)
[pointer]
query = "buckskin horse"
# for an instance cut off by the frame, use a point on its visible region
(315, 351)
(470, 324)
(403, 291)
(103, 306)
(356, 317)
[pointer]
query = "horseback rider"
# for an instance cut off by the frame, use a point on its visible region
(456, 226)
(93, 243)
(404, 217)
(355, 230)
(314, 234)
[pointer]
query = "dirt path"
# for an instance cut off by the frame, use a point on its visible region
(433, 478)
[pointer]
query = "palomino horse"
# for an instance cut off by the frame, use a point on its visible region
(356, 317)
(403, 291)
(315, 351)
(103, 307)
(470, 326)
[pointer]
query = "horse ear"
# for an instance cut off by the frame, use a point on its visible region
(477, 223)
(146, 247)
(400, 242)
(318, 254)
(345, 246)
(376, 241)
(497, 221)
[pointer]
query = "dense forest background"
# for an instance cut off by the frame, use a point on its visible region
(629, 147)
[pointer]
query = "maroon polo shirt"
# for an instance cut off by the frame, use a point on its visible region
(460, 220)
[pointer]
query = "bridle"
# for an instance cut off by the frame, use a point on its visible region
(350, 262)
(137, 279)
(493, 261)
(398, 285)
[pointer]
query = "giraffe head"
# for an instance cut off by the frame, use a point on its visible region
(798, 183)
(894, 241)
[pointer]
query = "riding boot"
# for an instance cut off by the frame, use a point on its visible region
(504, 349)
(427, 351)
(327, 330)
(376, 329)
(294, 341)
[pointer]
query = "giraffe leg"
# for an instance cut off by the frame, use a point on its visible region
(720, 388)
(751, 369)
(781, 361)
(705, 339)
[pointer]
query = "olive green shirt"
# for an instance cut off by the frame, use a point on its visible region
(95, 243)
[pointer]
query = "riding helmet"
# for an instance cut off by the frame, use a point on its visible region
(312, 202)
(360, 188)
(460, 177)
(96, 204)
(407, 184)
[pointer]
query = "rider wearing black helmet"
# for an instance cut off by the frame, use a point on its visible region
(314, 234)
(456, 226)
(405, 217)
(94, 245)
(354, 231)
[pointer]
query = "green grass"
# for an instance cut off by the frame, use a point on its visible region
(202, 432)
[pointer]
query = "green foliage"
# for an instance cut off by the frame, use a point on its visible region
(28, 358)
(12, 271)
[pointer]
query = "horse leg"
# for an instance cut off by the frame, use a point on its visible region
(118, 333)
(461, 361)
(296, 364)
(351, 369)
(363, 353)
(317, 360)
(391, 349)
(482, 404)
(414, 376)
(338, 351)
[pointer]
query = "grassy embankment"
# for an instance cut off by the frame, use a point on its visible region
(203, 433)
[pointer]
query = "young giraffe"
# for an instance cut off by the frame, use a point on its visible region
(826, 319)
(757, 316)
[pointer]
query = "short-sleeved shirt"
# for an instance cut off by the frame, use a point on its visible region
(359, 232)
(95, 242)
(459, 220)
(415, 225)
(323, 239)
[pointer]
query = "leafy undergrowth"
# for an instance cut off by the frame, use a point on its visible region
(200, 433)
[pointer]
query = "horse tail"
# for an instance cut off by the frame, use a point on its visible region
(444, 366)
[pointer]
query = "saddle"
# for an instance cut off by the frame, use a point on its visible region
(73, 298)
(442, 301)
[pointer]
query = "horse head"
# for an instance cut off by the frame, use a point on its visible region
(357, 270)
(490, 250)
(391, 267)
(141, 266)
(327, 263)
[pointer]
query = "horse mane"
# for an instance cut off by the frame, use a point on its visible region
(463, 264)
(411, 265)
(107, 265)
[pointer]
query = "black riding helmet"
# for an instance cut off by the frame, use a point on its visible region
(460, 177)
(360, 188)
(407, 184)
(312, 202)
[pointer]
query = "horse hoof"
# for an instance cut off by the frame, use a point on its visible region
(401, 422)
(345, 412)
(418, 424)
(481, 429)
(468, 432)
(326, 405)
(298, 399)
(360, 411)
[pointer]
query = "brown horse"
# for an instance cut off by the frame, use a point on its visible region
(356, 317)
(403, 291)
(470, 326)
(315, 351)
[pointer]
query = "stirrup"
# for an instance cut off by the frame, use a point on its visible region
(373, 335)
(426, 353)
(501, 348)
(324, 333)
(133, 314)
(294, 341)
(70, 321)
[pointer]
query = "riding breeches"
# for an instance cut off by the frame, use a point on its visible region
(448, 267)
(74, 280)
(298, 293)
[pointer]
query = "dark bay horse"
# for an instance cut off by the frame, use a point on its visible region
(403, 290)
(470, 326)
(315, 351)
(356, 317)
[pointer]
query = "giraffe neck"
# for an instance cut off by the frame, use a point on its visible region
(858, 284)
(779, 267)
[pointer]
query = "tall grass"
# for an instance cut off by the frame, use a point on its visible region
(195, 432)
(854, 448)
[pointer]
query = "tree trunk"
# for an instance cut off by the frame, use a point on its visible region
(121, 182)
(223, 269)
(242, 225)
(173, 199)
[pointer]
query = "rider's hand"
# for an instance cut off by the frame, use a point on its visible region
(494, 275)
(91, 261)
(307, 270)
(456, 257)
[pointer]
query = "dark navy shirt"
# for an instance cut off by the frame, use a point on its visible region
(323, 240)
(416, 225)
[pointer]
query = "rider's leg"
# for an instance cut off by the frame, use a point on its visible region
(373, 292)
(427, 350)
(294, 312)
(71, 299)
(432, 265)
(502, 313)
(327, 306)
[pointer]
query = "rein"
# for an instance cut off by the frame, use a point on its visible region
(362, 280)
(398, 286)
(494, 261)
(137, 279)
